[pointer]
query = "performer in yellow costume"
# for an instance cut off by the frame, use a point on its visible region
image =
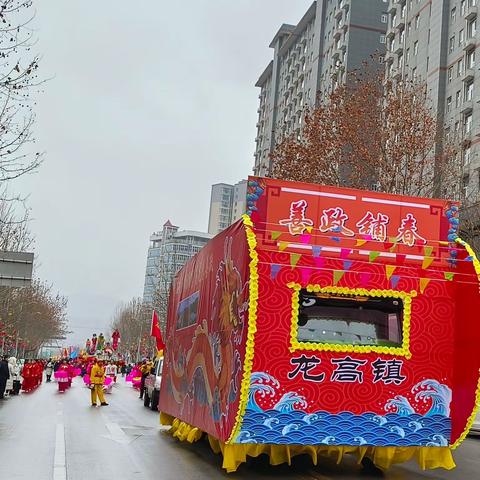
(97, 377)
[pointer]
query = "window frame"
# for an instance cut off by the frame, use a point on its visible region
(407, 298)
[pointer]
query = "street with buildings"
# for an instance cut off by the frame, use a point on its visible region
(276, 311)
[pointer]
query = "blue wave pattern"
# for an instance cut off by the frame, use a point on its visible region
(288, 423)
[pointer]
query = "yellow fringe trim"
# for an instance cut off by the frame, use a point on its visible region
(476, 408)
(383, 457)
(403, 351)
(252, 326)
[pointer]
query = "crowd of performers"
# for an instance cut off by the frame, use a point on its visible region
(26, 377)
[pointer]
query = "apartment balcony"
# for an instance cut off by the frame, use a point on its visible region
(469, 44)
(393, 7)
(399, 49)
(471, 12)
(345, 5)
(467, 107)
(399, 23)
(389, 57)
(468, 75)
(339, 13)
(337, 53)
(397, 74)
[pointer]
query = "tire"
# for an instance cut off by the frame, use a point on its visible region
(146, 398)
(155, 398)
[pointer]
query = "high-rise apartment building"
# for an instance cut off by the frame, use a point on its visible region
(333, 38)
(435, 42)
(168, 252)
(227, 204)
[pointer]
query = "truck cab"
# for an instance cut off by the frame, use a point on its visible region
(152, 385)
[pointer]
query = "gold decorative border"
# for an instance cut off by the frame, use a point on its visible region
(476, 408)
(252, 326)
(403, 351)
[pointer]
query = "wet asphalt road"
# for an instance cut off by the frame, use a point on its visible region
(50, 436)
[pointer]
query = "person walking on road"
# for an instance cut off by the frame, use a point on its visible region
(145, 368)
(14, 370)
(4, 376)
(49, 370)
(97, 378)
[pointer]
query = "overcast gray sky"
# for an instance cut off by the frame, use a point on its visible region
(151, 103)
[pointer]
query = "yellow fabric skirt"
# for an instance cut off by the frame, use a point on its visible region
(383, 457)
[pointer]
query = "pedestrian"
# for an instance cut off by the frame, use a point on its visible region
(14, 370)
(49, 370)
(62, 377)
(145, 369)
(97, 378)
(4, 376)
(123, 369)
(111, 371)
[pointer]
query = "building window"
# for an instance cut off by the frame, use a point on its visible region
(461, 37)
(451, 44)
(382, 39)
(415, 48)
(472, 28)
(384, 19)
(449, 104)
(470, 59)
(467, 123)
(450, 74)
(460, 67)
(414, 74)
(462, 7)
(458, 98)
(417, 21)
(467, 155)
(469, 91)
(453, 14)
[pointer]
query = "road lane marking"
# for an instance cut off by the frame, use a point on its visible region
(59, 464)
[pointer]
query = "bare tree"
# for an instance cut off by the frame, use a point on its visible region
(373, 132)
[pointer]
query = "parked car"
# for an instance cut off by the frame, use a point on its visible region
(152, 385)
(475, 430)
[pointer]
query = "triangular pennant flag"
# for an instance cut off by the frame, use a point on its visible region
(319, 262)
(393, 240)
(365, 278)
(305, 273)
(337, 276)
(373, 255)
(394, 280)
(282, 246)
(294, 258)
(400, 257)
(427, 261)
(336, 239)
(347, 264)
(360, 243)
(448, 276)
(345, 252)
(276, 235)
(389, 269)
(387, 245)
(316, 250)
(423, 284)
(367, 237)
(305, 238)
(394, 246)
(309, 229)
(274, 269)
(469, 259)
(428, 249)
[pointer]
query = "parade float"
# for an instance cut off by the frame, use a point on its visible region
(328, 321)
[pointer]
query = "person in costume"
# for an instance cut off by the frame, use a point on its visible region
(97, 378)
(62, 377)
(88, 345)
(94, 344)
(27, 384)
(145, 369)
(100, 342)
(115, 339)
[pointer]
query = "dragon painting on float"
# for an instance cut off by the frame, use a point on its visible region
(205, 370)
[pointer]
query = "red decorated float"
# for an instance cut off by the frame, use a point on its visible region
(327, 321)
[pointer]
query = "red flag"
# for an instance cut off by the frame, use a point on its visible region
(155, 331)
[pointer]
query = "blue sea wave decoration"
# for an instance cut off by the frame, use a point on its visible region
(289, 423)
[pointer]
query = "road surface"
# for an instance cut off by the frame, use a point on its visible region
(45, 435)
